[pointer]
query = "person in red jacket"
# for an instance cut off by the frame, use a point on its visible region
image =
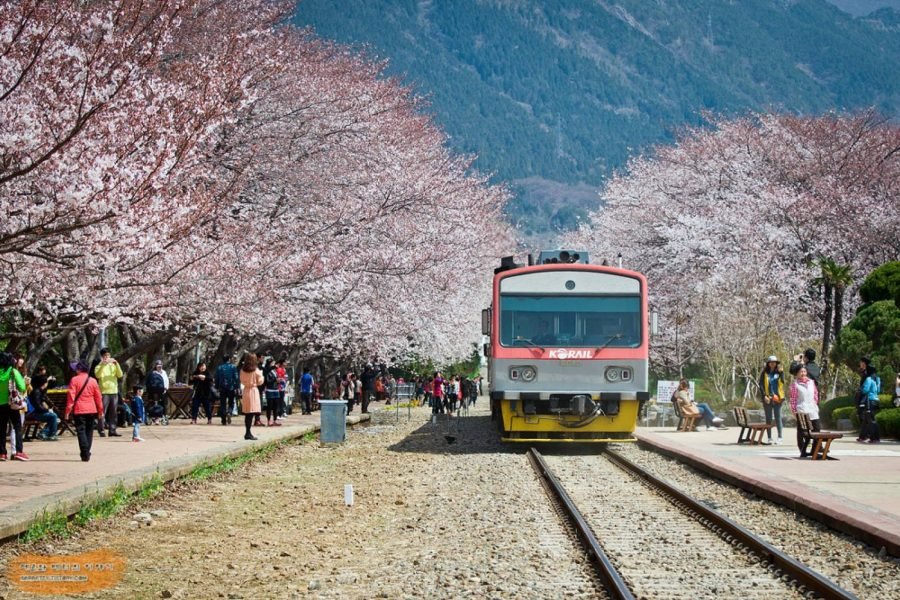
(86, 403)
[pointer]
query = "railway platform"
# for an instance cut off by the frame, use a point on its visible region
(55, 479)
(859, 493)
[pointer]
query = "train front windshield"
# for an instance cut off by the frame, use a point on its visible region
(570, 321)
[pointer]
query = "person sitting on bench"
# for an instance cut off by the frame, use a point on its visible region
(691, 408)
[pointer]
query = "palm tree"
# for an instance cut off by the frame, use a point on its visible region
(842, 276)
(834, 281)
(826, 267)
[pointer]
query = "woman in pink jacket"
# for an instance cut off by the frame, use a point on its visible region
(86, 403)
(251, 379)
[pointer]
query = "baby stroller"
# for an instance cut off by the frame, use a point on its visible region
(156, 414)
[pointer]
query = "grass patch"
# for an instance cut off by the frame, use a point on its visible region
(102, 508)
(49, 524)
(309, 437)
(151, 489)
(230, 463)
(57, 524)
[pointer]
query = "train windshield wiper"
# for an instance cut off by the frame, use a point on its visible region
(530, 343)
(617, 336)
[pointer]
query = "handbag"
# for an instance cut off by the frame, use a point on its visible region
(16, 401)
(776, 399)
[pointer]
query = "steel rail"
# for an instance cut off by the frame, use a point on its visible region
(736, 534)
(608, 573)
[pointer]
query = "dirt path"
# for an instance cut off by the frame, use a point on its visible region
(430, 519)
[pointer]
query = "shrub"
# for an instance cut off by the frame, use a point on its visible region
(826, 409)
(846, 412)
(889, 422)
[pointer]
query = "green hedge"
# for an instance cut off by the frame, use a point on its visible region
(826, 409)
(888, 422)
(846, 412)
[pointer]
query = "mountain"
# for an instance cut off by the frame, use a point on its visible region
(860, 8)
(552, 95)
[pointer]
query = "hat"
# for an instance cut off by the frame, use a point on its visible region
(772, 358)
(79, 366)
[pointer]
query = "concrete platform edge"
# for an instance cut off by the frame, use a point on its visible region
(810, 504)
(16, 519)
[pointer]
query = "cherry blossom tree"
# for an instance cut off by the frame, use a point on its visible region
(731, 221)
(239, 174)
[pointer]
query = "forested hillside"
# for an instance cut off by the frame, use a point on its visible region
(554, 94)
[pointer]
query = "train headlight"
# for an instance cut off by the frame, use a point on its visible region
(528, 374)
(523, 373)
(616, 374)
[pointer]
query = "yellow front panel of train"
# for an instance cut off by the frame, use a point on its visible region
(515, 421)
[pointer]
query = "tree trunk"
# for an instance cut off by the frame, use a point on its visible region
(826, 333)
(70, 350)
(838, 310)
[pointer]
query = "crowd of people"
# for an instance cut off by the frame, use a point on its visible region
(95, 402)
(376, 383)
(802, 395)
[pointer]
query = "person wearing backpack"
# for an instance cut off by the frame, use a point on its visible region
(12, 393)
(868, 403)
(772, 388)
(272, 391)
(228, 385)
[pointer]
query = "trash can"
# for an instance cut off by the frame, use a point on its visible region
(334, 421)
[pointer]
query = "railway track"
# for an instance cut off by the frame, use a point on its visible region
(647, 539)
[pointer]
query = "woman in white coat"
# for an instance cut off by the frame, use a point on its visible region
(805, 399)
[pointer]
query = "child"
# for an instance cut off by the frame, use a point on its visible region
(137, 412)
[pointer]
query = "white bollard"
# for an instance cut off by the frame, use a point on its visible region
(348, 494)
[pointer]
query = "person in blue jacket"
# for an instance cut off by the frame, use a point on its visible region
(229, 386)
(869, 387)
(137, 412)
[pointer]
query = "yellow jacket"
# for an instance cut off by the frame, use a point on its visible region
(108, 376)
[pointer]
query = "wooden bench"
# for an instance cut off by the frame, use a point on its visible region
(57, 399)
(685, 422)
(821, 439)
(751, 433)
(30, 429)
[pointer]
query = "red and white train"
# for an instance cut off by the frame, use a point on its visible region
(568, 352)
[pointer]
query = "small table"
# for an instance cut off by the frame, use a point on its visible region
(180, 395)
